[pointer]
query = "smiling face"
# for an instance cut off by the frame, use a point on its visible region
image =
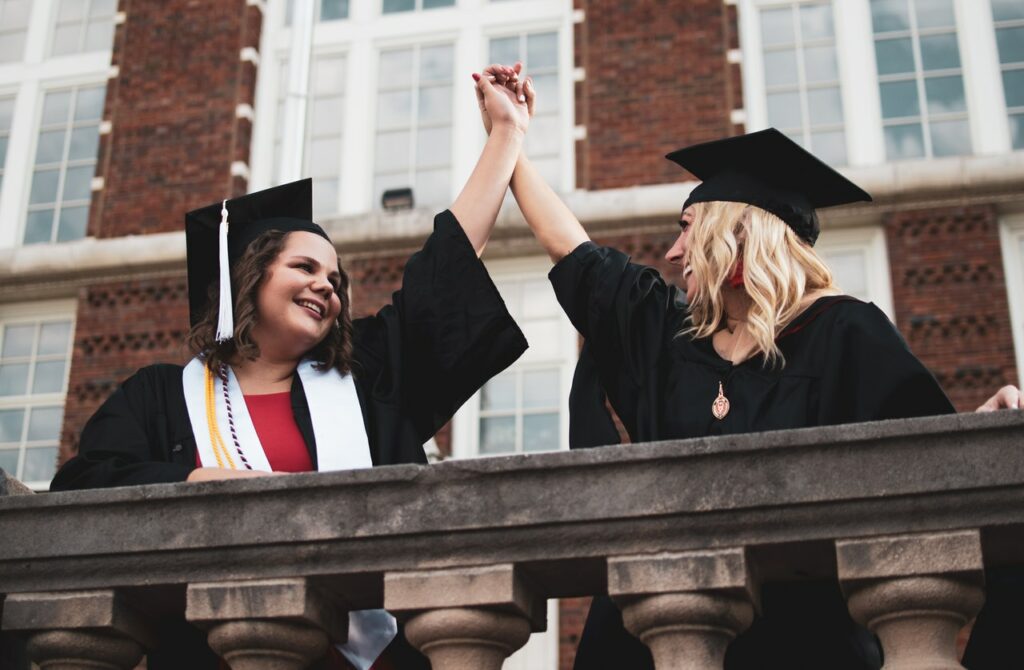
(677, 253)
(297, 301)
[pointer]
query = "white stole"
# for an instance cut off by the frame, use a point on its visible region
(341, 444)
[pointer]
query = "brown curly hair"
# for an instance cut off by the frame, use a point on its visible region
(247, 275)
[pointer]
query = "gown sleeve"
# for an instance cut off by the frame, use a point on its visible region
(445, 333)
(872, 375)
(123, 444)
(627, 315)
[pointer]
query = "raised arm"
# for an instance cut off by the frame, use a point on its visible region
(555, 226)
(477, 206)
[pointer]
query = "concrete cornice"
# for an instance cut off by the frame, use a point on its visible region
(561, 513)
(56, 270)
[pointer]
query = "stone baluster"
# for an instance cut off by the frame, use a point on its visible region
(274, 624)
(466, 618)
(79, 630)
(915, 592)
(686, 607)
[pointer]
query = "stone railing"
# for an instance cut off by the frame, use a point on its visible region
(907, 515)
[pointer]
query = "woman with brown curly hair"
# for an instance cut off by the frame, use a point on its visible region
(283, 380)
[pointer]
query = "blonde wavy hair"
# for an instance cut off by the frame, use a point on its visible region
(779, 269)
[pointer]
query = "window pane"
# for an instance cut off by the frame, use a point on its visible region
(1011, 44)
(99, 36)
(784, 110)
(327, 116)
(433, 147)
(44, 187)
(12, 46)
(433, 187)
(1006, 10)
(1013, 85)
(394, 109)
(546, 88)
(10, 425)
(820, 64)
(894, 56)
(904, 141)
(324, 158)
(55, 107)
(85, 143)
(939, 52)
(18, 340)
(435, 104)
(38, 226)
(50, 148)
(541, 388)
(950, 138)
(431, 4)
(1017, 130)
(71, 10)
(499, 393)
(542, 50)
(497, 435)
(436, 64)
(102, 7)
(15, 13)
(398, 6)
(777, 26)
(44, 423)
(89, 104)
(945, 94)
(9, 461)
(13, 378)
(505, 50)
(395, 68)
(72, 224)
(77, 183)
(65, 39)
(540, 432)
(40, 464)
(53, 338)
(824, 106)
(6, 113)
(331, 10)
(325, 196)
(780, 68)
(899, 98)
(935, 13)
(816, 21)
(328, 76)
(49, 377)
(392, 152)
(889, 15)
(543, 136)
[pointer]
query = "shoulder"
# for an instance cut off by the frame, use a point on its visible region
(154, 378)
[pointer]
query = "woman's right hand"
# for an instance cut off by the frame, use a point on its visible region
(506, 81)
(214, 474)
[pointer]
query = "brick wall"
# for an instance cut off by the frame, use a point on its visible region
(950, 298)
(656, 79)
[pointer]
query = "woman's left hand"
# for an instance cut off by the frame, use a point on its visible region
(1008, 397)
(504, 97)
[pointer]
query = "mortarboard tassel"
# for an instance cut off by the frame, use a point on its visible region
(226, 318)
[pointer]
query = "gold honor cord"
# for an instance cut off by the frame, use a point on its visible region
(216, 441)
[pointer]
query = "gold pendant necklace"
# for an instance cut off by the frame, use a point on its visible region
(720, 407)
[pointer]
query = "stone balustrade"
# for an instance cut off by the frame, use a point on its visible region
(907, 516)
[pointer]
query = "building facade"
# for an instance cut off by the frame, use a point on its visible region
(117, 117)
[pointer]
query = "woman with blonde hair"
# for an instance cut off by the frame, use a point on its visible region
(758, 338)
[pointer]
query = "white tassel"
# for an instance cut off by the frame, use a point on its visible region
(226, 318)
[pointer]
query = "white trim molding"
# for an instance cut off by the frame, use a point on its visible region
(1011, 235)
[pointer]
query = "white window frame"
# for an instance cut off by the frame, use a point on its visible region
(29, 80)
(1011, 235)
(364, 34)
(871, 241)
(858, 77)
(31, 312)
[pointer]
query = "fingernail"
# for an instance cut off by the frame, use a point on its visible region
(522, 98)
(476, 77)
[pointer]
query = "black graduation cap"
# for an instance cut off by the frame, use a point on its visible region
(217, 235)
(770, 171)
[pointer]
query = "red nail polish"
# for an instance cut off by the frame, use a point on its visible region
(476, 77)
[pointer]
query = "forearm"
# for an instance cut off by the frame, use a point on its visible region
(477, 206)
(554, 225)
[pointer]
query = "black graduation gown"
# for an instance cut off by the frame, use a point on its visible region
(415, 362)
(844, 362)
